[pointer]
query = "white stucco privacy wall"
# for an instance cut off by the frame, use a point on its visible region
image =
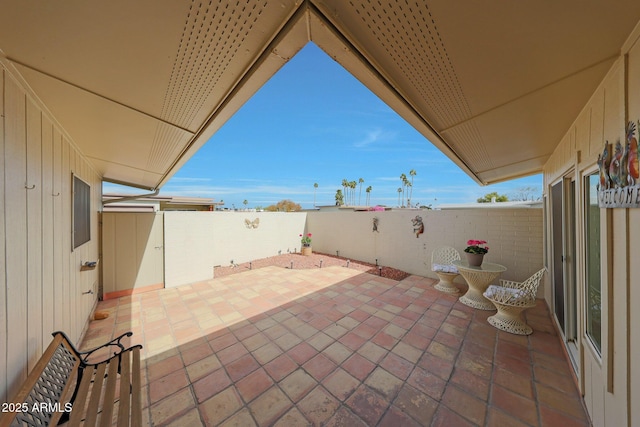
(195, 242)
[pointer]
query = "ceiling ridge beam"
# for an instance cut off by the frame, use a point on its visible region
(83, 89)
(529, 93)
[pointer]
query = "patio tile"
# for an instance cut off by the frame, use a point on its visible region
(398, 366)
(427, 382)
(306, 347)
(407, 352)
(231, 353)
(297, 385)
(288, 341)
(173, 406)
(472, 384)
(445, 417)
(519, 407)
(554, 380)
(220, 407)
(318, 406)
(340, 384)
(211, 384)
(415, 404)
(253, 384)
(551, 417)
(498, 418)
(292, 418)
(353, 341)
(358, 366)
(436, 365)
(396, 417)
(367, 404)
(464, 404)
(515, 383)
(191, 418)
(373, 352)
(320, 341)
(559, 401)
(319, 366)
(167, 385)
(196, 353)
(203, 367)
(242, 367)
(241, 418)
(266, 353)
(280, 367)
(301, 353)
(270, 406)
(384, 383)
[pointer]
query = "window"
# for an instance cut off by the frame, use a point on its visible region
(81, 212)
(593, 248)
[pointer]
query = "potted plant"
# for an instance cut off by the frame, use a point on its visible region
(306, 244)
(475, 251)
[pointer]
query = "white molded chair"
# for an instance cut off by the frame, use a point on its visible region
(511, 299)
(442, 264)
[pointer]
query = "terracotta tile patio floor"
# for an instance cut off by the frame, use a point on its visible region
(337, 347)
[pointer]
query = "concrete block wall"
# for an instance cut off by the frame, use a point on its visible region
(514, 237)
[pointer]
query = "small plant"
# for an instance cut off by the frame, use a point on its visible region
(306, 240)
(477, 247)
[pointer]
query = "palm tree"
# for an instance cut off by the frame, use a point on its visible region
(315, 187)
(360, 180)
(413, 173)
(403, 178)
(345, 184)
(352, 186)
(368, 191)
(245, 203)
(399, 192)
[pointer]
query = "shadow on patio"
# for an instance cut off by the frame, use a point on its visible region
(335, 346)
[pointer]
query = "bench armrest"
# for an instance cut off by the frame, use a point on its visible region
(85, 355)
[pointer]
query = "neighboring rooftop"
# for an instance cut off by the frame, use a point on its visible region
(114, 202)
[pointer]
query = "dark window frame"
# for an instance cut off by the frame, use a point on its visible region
(81, 211)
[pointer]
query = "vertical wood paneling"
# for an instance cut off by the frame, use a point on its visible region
(3, 283)
(40, 280)
(34, 233)
(48, 320)
(15, 235)
(73, 253)
(57, 231)
(65, 222)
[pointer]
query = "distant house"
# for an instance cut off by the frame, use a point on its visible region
(537, 204)
(113, 202)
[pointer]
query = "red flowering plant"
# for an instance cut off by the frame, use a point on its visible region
(306, 240)
(477, 247)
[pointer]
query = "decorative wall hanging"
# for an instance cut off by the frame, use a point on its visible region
(418, 226)
(376, 221)
(252, 224)
(619, 185)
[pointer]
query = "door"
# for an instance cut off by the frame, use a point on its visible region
(133, 252)
(565, 307)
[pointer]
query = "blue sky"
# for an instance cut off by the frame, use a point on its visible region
(313, 122)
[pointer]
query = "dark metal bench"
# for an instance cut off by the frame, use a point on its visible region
(65, 386)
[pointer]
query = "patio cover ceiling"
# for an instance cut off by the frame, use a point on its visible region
(140, 85)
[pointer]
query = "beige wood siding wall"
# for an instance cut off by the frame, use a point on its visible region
(41, 285)
(610, 382)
